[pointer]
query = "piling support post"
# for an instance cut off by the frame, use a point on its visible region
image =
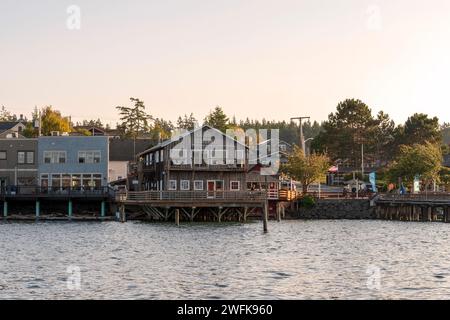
(70, 209)
(245, 214)
(266, 217)
(122, 213)
(283, 212)
(177, 217)
(38, 209)
(429, 215)
(5, 209)
(278, 212)
(103, 209)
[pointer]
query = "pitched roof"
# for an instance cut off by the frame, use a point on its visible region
(7, 125)
(123, 149)
(185, 134)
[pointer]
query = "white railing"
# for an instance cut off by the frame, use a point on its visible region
(192, 196)
(425, 196)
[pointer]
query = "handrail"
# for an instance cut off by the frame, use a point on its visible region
(192, 195)
(428, 196)
(17, 191)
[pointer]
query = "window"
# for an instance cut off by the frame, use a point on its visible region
(55, 156)
(198, 185)
(235, 186)
(89, 156)
(2, 155)
(172, 184)
(25, 157)
(30, 157)
(219, 185)
(20, 157)
(185, 185)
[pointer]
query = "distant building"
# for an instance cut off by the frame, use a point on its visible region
(73, 162)
(122, 154)
(447, 161)
(12, 129)
(18, 162)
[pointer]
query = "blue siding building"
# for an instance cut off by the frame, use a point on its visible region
(67, 162)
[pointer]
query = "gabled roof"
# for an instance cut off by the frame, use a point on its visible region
(182, 135)
(7, 125)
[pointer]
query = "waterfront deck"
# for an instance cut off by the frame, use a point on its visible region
(433, 198)
(414, 207)
(201, 205)
(194, 198)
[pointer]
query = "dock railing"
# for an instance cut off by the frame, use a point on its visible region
(143, 196)
(419, 197)
(32, 191)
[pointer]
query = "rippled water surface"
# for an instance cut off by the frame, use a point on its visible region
(296, 260)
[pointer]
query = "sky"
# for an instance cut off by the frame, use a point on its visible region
(255, 58)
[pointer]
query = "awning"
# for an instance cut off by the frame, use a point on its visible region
(333, 169)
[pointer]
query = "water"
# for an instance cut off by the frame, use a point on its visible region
(296, 260)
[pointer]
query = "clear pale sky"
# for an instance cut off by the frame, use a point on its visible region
(258, 58)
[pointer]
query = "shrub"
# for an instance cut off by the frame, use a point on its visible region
(307, 201)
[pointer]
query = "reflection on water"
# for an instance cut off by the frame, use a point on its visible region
(296, 260)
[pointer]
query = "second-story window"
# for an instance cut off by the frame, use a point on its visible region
(25, 157)
(185, 185)
(2, 155)
(89, 157)
(55, 156)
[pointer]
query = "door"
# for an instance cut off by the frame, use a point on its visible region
(211, 189)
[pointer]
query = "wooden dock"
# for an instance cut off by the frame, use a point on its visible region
(196, 205)
(414, 207)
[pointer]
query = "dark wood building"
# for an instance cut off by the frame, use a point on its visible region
(208, 163)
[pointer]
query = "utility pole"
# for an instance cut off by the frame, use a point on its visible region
(362, 161)
(302, 138)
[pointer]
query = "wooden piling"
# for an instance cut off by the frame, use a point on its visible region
(177, 217)
(278, 212)
(266, 217)
(123, 215)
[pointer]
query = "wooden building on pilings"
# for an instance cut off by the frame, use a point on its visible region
(205, 175)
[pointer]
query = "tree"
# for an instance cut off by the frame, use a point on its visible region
(418, 129)
(306, 169)
(161, 130)
(217, 119)
(424, 160)
(187, 122)
(135, 120)
(446, 133)
(52, 120)
(5, 115)
(346, 130)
